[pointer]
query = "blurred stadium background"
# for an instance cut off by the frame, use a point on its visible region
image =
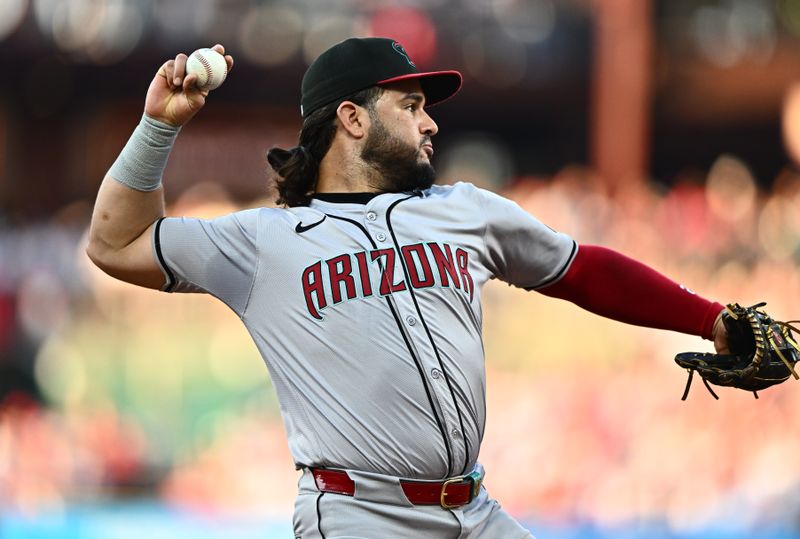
(667, 129)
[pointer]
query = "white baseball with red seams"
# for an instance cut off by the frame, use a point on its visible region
(209, 66)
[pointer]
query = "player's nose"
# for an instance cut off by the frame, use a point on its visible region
(428, 126)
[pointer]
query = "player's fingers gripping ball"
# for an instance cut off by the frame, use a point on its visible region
(210, 68)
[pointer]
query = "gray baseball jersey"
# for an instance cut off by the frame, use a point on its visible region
(367, 312)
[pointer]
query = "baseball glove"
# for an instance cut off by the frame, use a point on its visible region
(763, 353)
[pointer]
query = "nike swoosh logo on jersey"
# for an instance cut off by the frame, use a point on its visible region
(300, 228)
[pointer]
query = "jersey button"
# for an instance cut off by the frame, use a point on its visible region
(436, 373)
(455, 434)
(371, 216)
(411, 320)
(380, 236)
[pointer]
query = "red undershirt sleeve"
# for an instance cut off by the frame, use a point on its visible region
(612, 285)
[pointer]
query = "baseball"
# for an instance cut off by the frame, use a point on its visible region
(209, 66)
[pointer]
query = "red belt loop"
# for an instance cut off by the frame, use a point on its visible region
(451, 493)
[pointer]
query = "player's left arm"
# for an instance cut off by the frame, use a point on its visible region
(615, 286)
(524, 252)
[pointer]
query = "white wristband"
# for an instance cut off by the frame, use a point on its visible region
(142, 161)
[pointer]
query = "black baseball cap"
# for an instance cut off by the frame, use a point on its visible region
(358, 63)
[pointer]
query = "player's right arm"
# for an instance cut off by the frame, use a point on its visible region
(130, 199)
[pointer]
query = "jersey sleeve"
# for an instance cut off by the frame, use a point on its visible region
(216, 256)
(521, 250)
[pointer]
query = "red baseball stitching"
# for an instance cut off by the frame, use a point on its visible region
(206, 65)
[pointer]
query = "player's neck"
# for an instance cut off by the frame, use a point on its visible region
(340, 173)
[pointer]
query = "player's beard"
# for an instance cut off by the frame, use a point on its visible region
(397, 162)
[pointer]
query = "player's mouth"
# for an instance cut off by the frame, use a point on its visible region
(428, 149)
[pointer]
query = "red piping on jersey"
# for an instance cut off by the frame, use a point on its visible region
(612, 285)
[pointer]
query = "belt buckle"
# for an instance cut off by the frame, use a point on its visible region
(450, 481)
(475, 481)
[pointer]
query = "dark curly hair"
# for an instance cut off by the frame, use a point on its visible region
(298, 167)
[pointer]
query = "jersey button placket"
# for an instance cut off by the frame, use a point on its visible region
(404, 301)
(372, 218)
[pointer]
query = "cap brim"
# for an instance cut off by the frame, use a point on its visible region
(437, 85)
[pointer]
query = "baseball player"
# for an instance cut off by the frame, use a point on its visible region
(363, 291)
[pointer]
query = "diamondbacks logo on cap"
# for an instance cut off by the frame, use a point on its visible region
(399, 48)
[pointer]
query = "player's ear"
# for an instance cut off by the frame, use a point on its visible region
(352, 118)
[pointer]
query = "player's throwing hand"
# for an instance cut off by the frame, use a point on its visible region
(172, 96)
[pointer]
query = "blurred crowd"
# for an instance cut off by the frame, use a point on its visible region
(110, 391)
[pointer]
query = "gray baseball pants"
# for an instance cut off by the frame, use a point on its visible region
(380, 510)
